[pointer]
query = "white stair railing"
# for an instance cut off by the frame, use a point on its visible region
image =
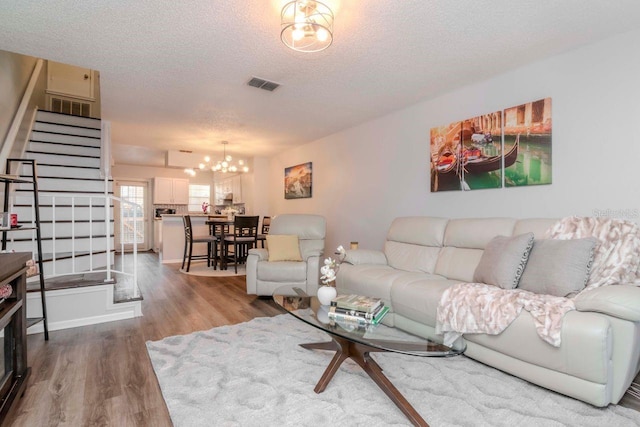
(129, 225)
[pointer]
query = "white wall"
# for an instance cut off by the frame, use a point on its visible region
(365, 176)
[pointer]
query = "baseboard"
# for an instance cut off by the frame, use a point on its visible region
(75, 307)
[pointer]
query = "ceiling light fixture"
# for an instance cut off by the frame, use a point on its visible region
(225, 165)
(307, 25)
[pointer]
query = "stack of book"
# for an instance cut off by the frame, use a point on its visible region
(358, 309)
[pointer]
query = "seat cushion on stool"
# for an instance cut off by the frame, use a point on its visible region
(282, 271)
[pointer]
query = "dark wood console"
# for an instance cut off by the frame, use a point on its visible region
(14, 372)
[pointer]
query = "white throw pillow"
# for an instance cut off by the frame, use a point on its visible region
(503, 260)
(283, 247)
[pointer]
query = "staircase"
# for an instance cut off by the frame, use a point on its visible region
(75, 237)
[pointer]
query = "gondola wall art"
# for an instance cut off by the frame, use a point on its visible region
(467, 155)
(297, 181)
(528, 127)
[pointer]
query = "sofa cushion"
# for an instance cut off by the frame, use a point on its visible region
(416, 296)
(558, 267)
(475, 233)
(368, 280)
(418, 230)
(409, 257)
(503, 261)
(585, 351)
(283, 271)
(283, 247)
(458, 263)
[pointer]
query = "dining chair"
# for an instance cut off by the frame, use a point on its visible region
(242, 238)
(190, 239)
(266, 223)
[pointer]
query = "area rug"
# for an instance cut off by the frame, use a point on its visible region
(256, 374)
(200, 269)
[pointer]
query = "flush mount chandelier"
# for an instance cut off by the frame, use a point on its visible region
(306, 25)
(225, 165)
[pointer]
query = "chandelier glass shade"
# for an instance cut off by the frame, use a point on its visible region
(224, 165)
(306, 26)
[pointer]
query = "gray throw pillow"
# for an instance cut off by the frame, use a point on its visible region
(503, 260)
(559, 267)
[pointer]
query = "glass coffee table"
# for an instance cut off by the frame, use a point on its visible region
(350, 341)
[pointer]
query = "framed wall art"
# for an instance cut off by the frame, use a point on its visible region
(298, 181)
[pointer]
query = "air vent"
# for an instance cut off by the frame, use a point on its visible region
(263, 84)
(66, 106)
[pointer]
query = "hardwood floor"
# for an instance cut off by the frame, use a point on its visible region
(101, 375)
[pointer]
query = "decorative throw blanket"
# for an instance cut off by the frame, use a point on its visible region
(481, 308)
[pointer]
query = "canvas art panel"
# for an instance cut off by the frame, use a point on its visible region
(298, 181)
(467, 154)
(528, 127)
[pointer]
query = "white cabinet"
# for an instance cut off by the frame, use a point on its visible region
(170, 191)
(226, 186)
(157, 235)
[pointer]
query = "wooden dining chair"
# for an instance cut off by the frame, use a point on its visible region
(241, 239)
(190, 239)
(266, 223)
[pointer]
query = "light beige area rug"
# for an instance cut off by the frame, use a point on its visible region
(256, 374)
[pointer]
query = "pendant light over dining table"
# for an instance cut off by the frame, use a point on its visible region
(306, 25)
(225, 165)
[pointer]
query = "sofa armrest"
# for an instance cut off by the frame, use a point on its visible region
(621, 301)
(365, 256)
(262, 254)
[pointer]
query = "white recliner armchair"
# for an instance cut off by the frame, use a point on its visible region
(263, 277)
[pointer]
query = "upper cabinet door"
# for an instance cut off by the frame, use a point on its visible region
(181, 191)
(162, 191)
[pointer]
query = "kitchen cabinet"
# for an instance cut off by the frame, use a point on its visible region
(157, 235)
(170, 191)
(230, 185)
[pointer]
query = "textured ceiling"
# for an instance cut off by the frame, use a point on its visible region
(173, 74)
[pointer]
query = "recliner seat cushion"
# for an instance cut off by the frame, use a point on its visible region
(282, 271)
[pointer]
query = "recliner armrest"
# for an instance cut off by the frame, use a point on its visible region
(365, 256)
(621, 301)
(263, 254)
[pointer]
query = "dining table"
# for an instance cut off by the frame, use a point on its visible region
(219, 227)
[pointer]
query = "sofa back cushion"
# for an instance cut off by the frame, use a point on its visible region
(413, 243)
(458, 263)
(409, 257)
(537, 226)
(464, 242)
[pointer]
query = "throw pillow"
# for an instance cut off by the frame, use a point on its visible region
(503, 260)
(559, 267)
(283, 247)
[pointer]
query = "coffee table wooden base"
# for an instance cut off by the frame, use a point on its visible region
(359, 353)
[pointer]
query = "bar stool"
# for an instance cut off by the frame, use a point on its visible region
(266, 223)
(243, 238)
(189, 240)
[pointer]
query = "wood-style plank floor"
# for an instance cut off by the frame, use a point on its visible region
(101, 375)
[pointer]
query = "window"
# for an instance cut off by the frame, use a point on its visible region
(198, 194)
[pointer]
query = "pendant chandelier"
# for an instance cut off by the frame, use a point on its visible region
(225, 165)
(306, 25)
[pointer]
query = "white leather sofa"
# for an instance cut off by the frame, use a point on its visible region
(600, 350)
(263, 277)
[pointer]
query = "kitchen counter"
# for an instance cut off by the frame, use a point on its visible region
(172, 245)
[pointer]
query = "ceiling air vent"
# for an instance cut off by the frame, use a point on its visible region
(263, 84)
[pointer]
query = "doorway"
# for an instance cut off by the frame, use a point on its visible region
(131, 221)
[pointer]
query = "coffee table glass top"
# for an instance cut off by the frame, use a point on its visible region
(308, 309)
